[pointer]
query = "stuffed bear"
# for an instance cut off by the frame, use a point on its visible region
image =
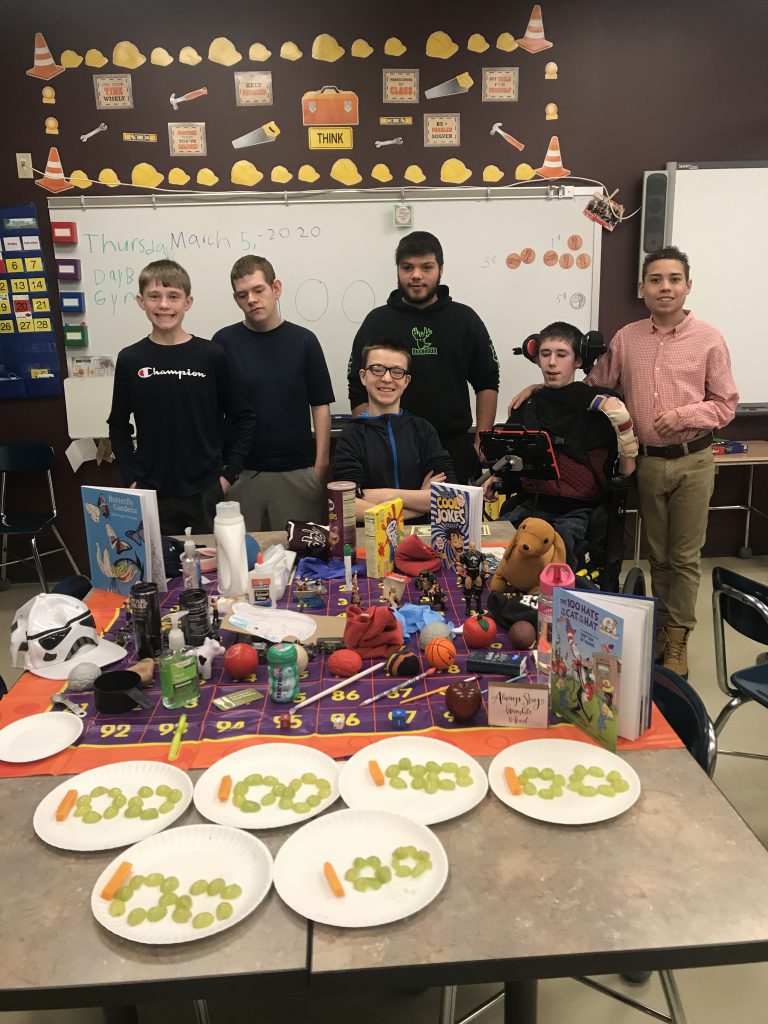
(534, 546)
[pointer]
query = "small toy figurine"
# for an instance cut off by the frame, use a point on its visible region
(424, 581)
(436, 596)
(338, 720)
(355, 596)
(284, 721)
(310, 593)
(399, 718)
(473, 571)
(215, 624)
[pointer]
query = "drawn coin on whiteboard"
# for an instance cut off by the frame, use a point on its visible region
(578, 300)
(311, 300)
(357, 301)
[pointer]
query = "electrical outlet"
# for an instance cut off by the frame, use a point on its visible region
(24, 165)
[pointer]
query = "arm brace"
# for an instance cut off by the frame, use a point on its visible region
(621, 422)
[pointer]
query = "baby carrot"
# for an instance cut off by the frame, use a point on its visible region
(116, 881)
(66, 805)
(333, 879)
(376, 773)
(512, 781)
(225, 788)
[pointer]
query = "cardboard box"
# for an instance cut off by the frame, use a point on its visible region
(383, 532)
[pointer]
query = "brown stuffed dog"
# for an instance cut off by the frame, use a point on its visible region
(536, 543)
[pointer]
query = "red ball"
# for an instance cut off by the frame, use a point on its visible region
(479, 631)
(344, 663)
(440, 653)
(523, 635)
(241, 660)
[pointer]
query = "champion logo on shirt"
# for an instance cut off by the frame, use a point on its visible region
(151, 371)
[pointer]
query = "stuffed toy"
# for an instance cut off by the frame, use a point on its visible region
(535, 544)
(373, 633)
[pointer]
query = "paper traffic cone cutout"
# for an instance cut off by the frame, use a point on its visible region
(533, 41)
(53, 180)
(553, 163)
(45, 66)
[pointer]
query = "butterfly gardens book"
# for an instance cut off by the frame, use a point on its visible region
(122, 528)
(455, 519)
(602, 663)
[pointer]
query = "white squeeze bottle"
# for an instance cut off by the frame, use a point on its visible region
(231, 559)
(190, 563)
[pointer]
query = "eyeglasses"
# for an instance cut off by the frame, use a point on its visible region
(395, 372)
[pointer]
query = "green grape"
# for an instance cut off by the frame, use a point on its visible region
(392, 771)
(621, 787)
(574, 785)
(358, 862)
(613, 776)
(309, 778)
(529, 773)
(169, 884)
(115, 791)
(224, 911)
(216, 886)
(269, 780)
(323, 784)
(323, 793)
(111, 812)
(360, 884)
(403, 871)
(294, 785)
(422, 855)
(231, 892)
(384, 874)
(255, 779)
(529, 789)
(163, 790)
(411, 851)
(79, 812)
(587, 791)
(124, 893)
(557, 791)
(136, 882)
(250, 806)
(446, 784)
(135, 802)
(132, 812)
(351, 874)
(421, 867)
(464, 781)
(559, 780)
(285, 803)
(449, 766)
(373, 883)
(91, 817)
(117, 908)
(167, 807)
(302, 807)
(168, 899)
(199, 887)
(418, 770)
(175, 795)
(373, 862)
(580, 769)
(83, 801)
(596, 771)
(204, 920)
(137, 916)
(606, 790)
(149, 814)
(155, 914)
(313, 800)
(99, 791)
(146, 791)
(155, 879)
(430, 786)
(268, 799)
(237, 801)
(398, 783)
(404, 764)
(181, 914)
(279, 789)
(547, 774)
(432, 766)
(547, 794)
(119, 801)
(240, 789)
(185, 901)
(418, 782)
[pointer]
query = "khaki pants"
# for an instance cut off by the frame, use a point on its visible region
(269, 500)
(673, 496)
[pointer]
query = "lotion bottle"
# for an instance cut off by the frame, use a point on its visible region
(190, 563)
(231, 558)
(179, 681)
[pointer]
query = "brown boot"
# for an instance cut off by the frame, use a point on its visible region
(661, 642)
(676, 652)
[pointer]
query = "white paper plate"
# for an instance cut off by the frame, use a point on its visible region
(562, 756)
(189, 853)
(109, 833)
(285, 761)
(358, 790)
(38, 736)
(339, 838)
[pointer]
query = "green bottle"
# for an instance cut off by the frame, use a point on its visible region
(283, 673)
(179, 681)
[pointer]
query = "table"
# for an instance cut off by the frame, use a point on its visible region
(661, 886)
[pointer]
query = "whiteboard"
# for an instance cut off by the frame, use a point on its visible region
(335, 257)
(719, 217)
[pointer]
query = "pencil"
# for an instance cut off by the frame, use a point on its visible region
(337, 686)
(398, 686)
(439, 689)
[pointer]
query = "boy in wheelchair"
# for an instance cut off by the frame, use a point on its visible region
(566, 439)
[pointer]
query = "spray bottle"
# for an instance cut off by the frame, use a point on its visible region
(190, 563)
(556, 574)
(179, 682)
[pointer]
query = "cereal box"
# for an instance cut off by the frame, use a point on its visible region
(383, 532)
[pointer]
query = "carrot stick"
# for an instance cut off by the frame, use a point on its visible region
(333, 879)
(225, 788)
(376, 773)
(120, 875)
(66, 805)
(512, 781)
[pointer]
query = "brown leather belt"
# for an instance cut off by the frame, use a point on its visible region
(677, 451)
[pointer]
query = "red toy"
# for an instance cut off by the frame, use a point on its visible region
(440, 653)
(479, 631)
(344, 663)
(241, 660)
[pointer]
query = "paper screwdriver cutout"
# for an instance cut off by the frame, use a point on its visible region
(95, 58)
(361, 48)
(53, 180)
(441, 45)
(45, 66)
(477, 43)
(126, 55)
(160, 57)
(259, 52)
(326, 48)
(290, 51)
(553, 164)
(223, 51)
(70, 59)
(534, 41)
(189, 55)
(394, 48)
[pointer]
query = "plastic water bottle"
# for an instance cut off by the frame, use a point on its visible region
(231, 558)
(190, 563)
(556, 574)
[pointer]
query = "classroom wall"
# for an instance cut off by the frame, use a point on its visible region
(637, 86)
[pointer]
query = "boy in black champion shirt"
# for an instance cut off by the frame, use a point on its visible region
(180, 391)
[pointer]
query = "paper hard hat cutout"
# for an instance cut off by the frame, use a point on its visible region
(95, 59)
(245, 173)
(145, 176)
(176, 176)
(189, 55)
(361, 48)
(524, 172)
(53, 180)
(550, 71)
(70, 59)
(414, 173)
(441, 45)
(48, 94)
(381, 173)
(281, 175)
(553, 163)
(345, 171)
(223, 51)
(506, 42)
(160, 57)
(108, 177)
(51, 126)
(534, 41)
(80, 179)
(492, 173)
(455, 171)
(258, 52)
(477, 43)
(325, 47)
(127, 55)
(394, 48)
(205, 176)
(45, 66)
(308, 174)
(290, 51)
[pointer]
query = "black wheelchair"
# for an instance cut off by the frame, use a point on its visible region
(516, 452)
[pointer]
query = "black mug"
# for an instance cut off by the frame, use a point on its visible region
(118, 692)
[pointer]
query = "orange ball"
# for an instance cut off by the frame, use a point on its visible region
(440, 653)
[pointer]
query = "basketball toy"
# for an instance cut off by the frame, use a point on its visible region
(523, 635)
(479, 631)
(241, 660)
(403, 663)
(344, 663)
(440, 653)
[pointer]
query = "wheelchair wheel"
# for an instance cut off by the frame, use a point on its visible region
(634, 583)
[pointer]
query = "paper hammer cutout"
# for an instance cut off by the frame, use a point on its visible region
(497, 130)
